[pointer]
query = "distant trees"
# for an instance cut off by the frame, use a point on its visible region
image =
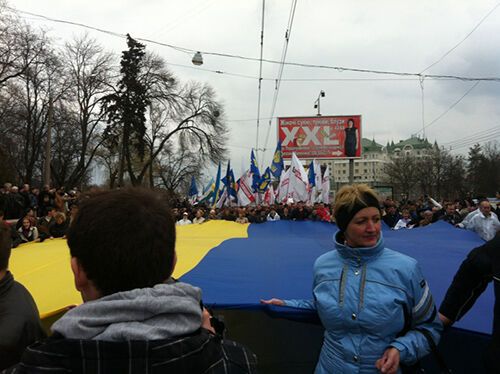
(89, 71)
(131, 119)
(402, 174)
(26, 95)
(443, 175)
(483, 169)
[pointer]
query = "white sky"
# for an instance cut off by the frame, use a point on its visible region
(389, 35)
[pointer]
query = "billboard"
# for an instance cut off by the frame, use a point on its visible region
(320, 137)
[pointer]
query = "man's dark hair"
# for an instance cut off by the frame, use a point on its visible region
(5, 245)
(124, 239)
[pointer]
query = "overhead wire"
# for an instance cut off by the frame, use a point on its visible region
(239, 75)
(260, 78)
(447, 110)
(479, 137)
(288, 32)
(418, 76)
(473, 139)
(482, 132)
(421, 81)
(297, 64)
(480, 140)
(460, 42)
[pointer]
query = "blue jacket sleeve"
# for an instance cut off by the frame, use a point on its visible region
(423, 315)
(302, 304)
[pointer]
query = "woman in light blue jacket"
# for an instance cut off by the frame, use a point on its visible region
(374, 302)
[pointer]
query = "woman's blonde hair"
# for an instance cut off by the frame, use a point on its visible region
(60, 215)
(351, 199)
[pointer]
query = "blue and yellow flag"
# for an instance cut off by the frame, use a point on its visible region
(229, 181)
(193, 190)
(254, 168)
(265, 180)
(277, 166)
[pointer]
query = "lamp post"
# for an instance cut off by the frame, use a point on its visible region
(318, 102)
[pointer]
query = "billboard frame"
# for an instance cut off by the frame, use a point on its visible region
(337, 151)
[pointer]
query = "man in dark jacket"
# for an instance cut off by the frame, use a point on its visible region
(391, 216)
(19, 320)
(135, 317)
(451, 215)
(481, 266)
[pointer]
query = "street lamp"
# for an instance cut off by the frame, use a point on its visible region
(318, 102)
(197, 59)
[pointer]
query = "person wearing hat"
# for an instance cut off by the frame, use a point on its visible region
(374, 302)
(184, 220)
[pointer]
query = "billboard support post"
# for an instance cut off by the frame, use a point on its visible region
(351, 171)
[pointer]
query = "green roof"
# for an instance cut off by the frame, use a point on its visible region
(416, 143)
(370, 145)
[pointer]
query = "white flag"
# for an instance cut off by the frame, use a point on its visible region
(298, 180)
(245, 194)
(325, 187)
(318, 178)
(222, 199)
(269, 195)
(283, 186)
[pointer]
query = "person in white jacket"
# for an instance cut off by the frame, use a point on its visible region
(485, 223)
(273, 216)
(403, 223)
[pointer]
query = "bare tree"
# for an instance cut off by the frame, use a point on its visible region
(441, 174)
(176, 169)
(89, 71)
(402, 173)
(25, 128)
(19, 46)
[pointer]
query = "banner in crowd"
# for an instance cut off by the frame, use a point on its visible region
(325, 187)
(245, 193)
(298, 181)
(322, 137)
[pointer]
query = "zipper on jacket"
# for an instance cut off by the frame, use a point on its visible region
(362, 289)
(342, 284)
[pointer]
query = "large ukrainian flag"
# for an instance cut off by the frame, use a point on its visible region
(236, 265)
(44, 269)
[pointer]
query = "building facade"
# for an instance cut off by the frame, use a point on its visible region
(370, 168)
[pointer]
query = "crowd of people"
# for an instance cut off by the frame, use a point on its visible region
(35, 215)
(477, 215)
(47, 213)
(374, 303)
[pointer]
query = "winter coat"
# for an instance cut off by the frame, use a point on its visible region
(362, 296)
